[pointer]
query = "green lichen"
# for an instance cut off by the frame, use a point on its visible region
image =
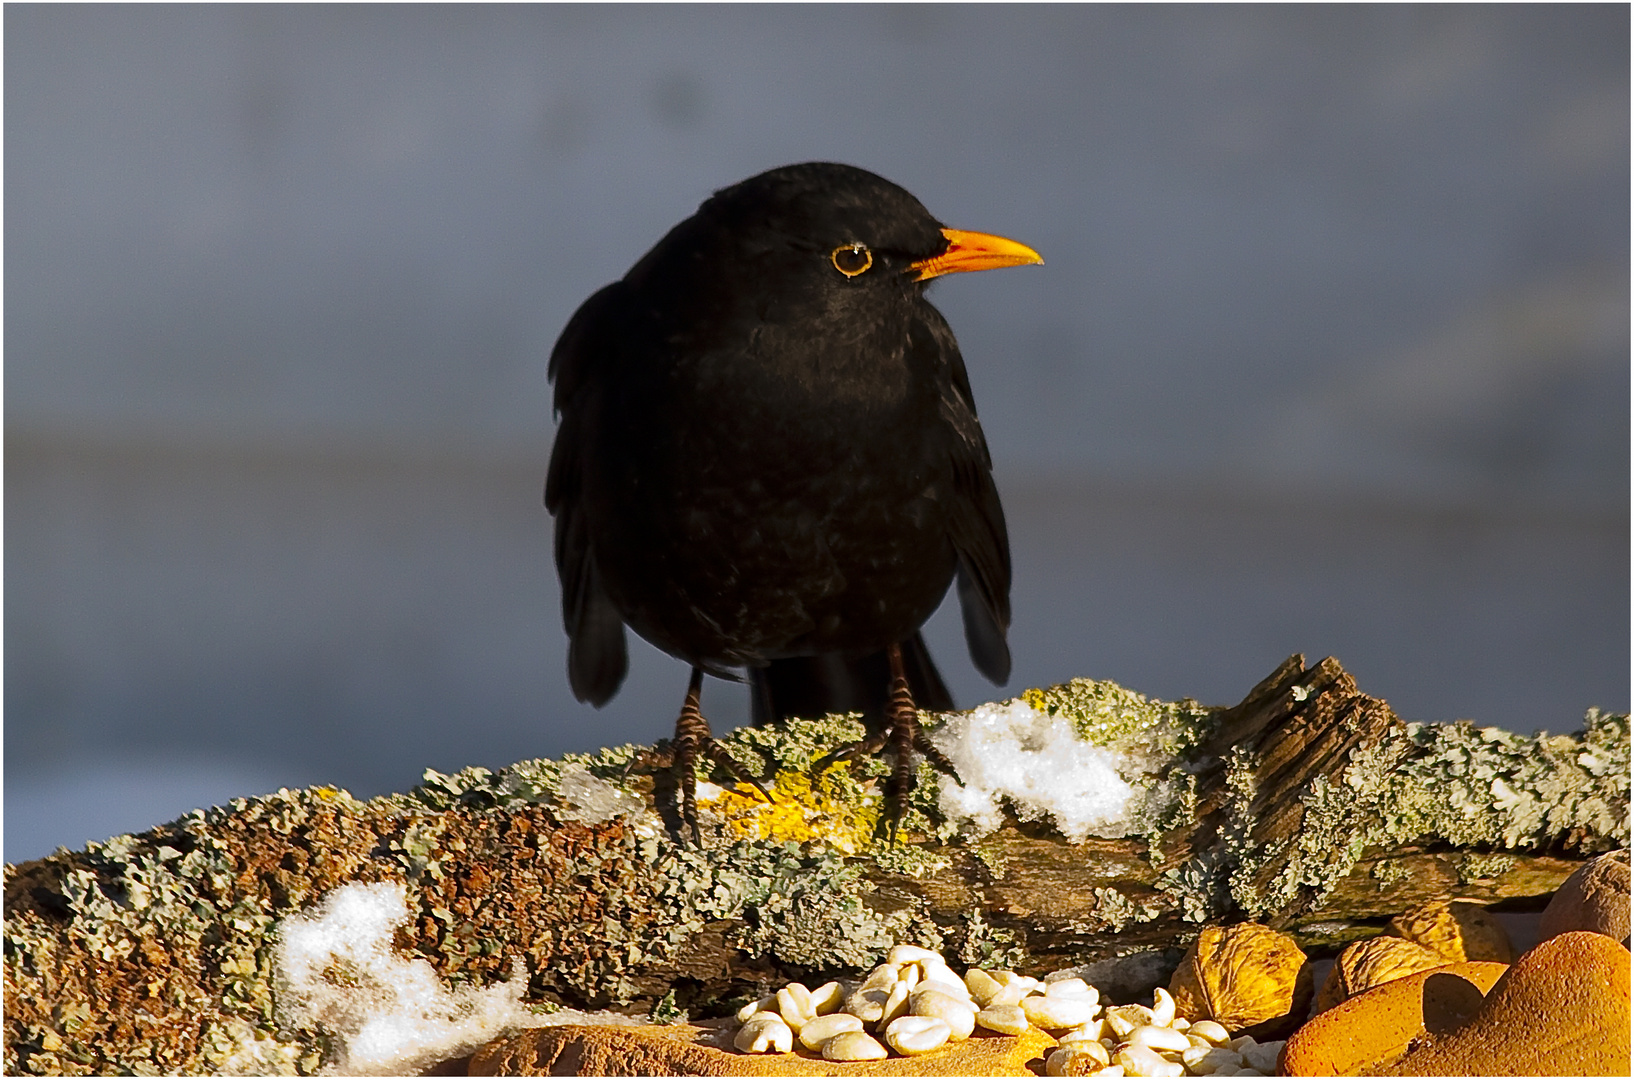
(1452, 783)
(1483, 786)
(154, 953)
(988, 946)
(798, 744)
(667, 1012)
(1389, 871)
(1106, 714)
(1118, 910)
(992, 856)
(1475, 868)
(803, 906)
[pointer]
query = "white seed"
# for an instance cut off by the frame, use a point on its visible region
(867, 1005)
(908, 974)
(982, 986)
(764, 1033)
(881, 978)
(1122, 1019)
(1093, 1051)
(909, 954)
(827, 998)
(1055, 1013)
(1144, 1061)
(816, 1032)
(1162, 1008)
(1010, 978)
(1180, 1023)
(794, 1004)
(854, 1046)
(937, 990)
(1004, 1019)
(1159, 1038)
(959, 1015)
(895, 1005)
(954, 990)
(1206, 1061)
(937, 969)
(1068, 986)
(1076, 1061)
(1090, 1032)
(1262, 1057)
(1211, 1030)
(1113, 1069)
(909, 1035)
(765, 1004)
(1010, 994)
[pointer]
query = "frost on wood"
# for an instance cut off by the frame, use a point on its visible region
(1133, 822)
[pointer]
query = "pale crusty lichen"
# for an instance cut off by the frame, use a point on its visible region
(987, 946)
(1455, 783)
(154, 953)
(1486, 786)
(1106, 714)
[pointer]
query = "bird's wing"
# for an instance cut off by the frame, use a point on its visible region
(596, 655)
(976, 521)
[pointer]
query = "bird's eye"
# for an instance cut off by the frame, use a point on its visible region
(852, 259)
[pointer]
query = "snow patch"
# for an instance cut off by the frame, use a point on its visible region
(389, 1015)
(1009, 750)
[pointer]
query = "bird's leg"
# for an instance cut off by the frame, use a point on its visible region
(906, 735)
(902, 734)
(692, 738)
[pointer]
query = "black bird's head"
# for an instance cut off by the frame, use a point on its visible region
(822, 235)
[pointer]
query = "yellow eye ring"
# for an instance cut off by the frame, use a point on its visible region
(851, 259)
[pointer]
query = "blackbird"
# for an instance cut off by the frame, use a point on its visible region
(768, 461)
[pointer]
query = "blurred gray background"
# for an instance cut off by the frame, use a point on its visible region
(1331, 354)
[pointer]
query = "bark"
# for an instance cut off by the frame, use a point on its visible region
(1309, 806)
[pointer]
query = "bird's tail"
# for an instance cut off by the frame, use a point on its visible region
(813, 686)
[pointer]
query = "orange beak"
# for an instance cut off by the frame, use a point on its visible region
(975, 251)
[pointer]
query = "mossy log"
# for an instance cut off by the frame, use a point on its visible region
(1309, 806)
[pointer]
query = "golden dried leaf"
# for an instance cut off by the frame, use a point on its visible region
(1242, 976)
(1457, 930)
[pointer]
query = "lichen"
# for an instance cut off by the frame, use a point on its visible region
(1473, 868)
(988, 946)
(1389, 871)
(155, 953)
(1454, 783)
(832, 808)
(1119, 911)
(1106, 714)
(1484, 786)
(805, 907)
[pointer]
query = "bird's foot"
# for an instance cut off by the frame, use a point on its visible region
(868, 747)
(902, 736)
(692, 741)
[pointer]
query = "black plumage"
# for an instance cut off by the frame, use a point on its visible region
(768, 459)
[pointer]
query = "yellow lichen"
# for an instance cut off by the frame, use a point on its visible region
(831, 810)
